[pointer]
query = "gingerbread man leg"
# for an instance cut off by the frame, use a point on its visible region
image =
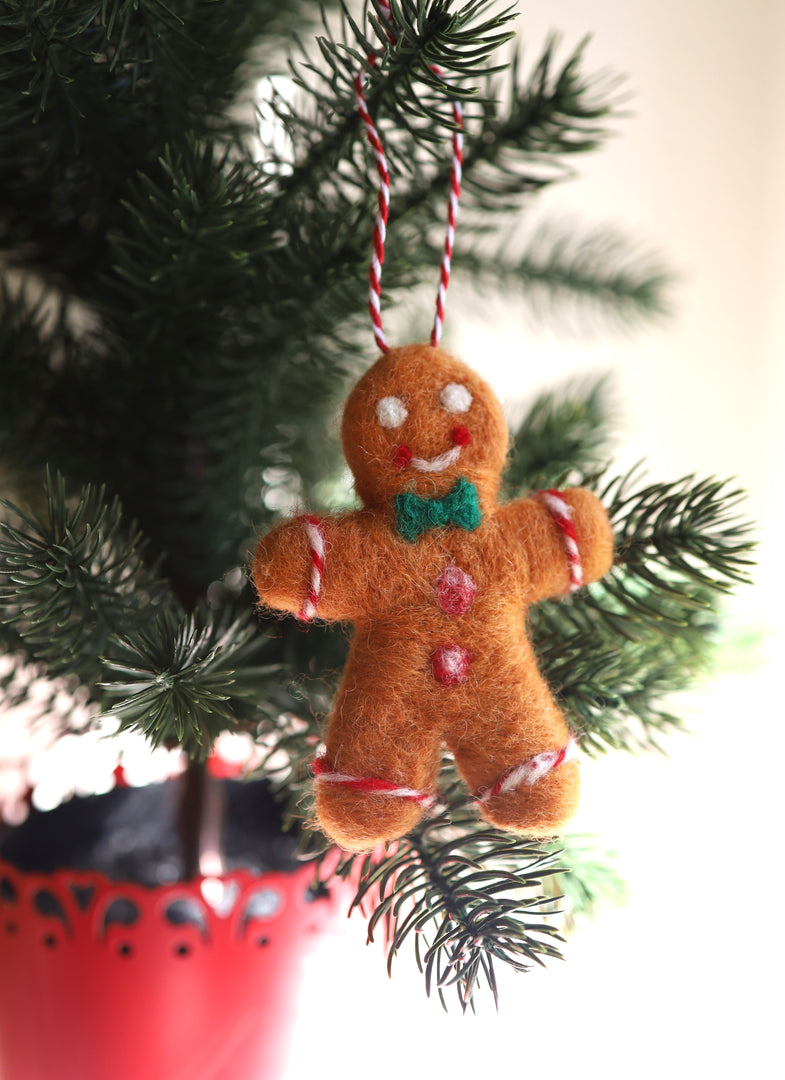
(378, 774)
(518, 761)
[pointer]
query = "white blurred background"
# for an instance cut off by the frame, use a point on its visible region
(685, 979)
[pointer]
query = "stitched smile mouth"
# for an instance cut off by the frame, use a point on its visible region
(403, 455)
(437, 464)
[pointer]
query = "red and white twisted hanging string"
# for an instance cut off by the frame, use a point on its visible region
(452, 216)
(561, 512)
(383, 207)
(382, 212)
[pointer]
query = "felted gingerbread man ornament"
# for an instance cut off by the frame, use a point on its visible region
(436, 577)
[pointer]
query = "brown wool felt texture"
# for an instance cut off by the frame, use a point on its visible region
(391, 717)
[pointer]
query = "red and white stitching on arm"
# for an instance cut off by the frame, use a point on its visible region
(315, 532)
(561, 512)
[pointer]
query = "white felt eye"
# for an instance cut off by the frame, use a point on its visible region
(455, 398)
(391, 412)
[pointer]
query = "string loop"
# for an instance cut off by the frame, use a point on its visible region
(383, 206)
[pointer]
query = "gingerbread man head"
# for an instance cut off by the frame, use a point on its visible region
(417, 421)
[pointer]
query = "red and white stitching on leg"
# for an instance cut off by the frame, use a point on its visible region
(529, 771)
(372, 785)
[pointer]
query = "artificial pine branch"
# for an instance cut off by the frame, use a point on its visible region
(564, 434)
(643, 631)
(554, 113)
(591, 881)
(575, 277)
(402, 87)
(25, 375)
(517, 145)
(186, 680)
(610, 684)
(678, 544)
(329, 159)
(93, 91)
(467, 899)
(73, 576)
(55, 365)
(76, 594)
(520, 141)
(690, 527)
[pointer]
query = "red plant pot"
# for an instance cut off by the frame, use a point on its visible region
(104, 980)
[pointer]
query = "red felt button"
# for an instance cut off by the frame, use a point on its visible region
(461, 435)
(450, 664)
(455, 590)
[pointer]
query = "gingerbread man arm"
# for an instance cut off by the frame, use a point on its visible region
(531, 527)
(284, 561)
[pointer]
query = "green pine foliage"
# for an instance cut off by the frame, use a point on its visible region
(466, 901)
(588, 878)
(180, 313)
(563, 436)
(72, 577)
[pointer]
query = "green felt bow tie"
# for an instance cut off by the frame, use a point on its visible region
(459, 507)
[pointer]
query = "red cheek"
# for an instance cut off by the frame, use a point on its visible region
(461, 435)
(402, 456)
